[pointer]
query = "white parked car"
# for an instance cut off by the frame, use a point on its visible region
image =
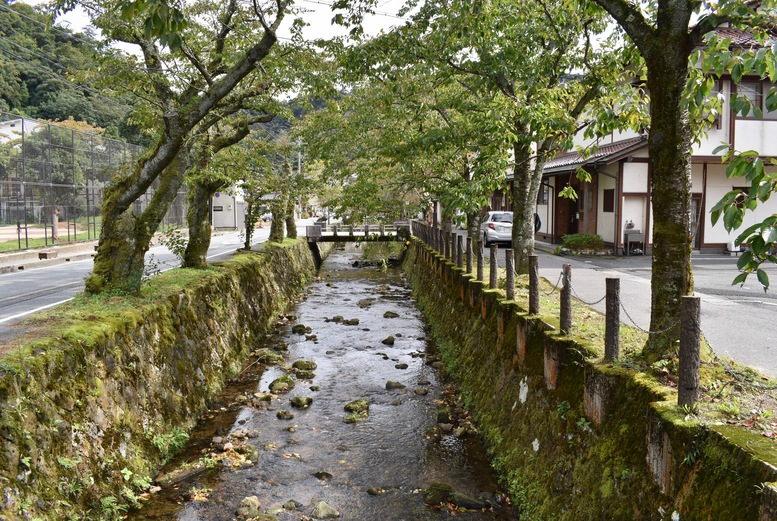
(497, 227)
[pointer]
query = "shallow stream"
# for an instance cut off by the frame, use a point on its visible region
(369, 467)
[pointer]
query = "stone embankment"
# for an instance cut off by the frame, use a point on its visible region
(575, 438)
(91, 413)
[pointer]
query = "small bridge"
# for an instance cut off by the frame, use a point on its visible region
(316, 233)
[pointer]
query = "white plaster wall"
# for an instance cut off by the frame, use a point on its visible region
(697, 178)
(752, 134)
(635, 177)
(634, 209)
(717, 186)
(612, 138)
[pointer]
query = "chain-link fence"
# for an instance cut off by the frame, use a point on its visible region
(52, 179)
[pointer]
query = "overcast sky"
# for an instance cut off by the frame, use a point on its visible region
(318, 14)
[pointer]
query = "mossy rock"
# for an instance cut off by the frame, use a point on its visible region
(268, 356)
(307, 365)
(301, 402)
(284, 414)
(282, 384)
(359, 406)
(305, 375)
(390, 314)
(301, 329)
(438, 493)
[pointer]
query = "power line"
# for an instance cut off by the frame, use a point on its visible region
(379, 13)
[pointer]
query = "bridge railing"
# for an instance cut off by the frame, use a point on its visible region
(349, 232)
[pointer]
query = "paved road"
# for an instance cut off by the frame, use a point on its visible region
(25, 292)
(738, 322)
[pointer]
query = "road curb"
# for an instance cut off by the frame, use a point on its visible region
(31, 263)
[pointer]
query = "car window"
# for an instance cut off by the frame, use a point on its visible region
(502, 217)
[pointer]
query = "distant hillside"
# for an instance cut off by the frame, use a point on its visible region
(38, 62)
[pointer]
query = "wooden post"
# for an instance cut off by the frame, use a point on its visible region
(612, 325)
(334, 230)
(459, 251)
(492, 280)
(566, 300)
(367, 232)
(382, 230)
(510, 270)
(481, 268)
(440, 241)
(534, 285)
(448, 245)
(350, 229)
(690, 328)
(469, 254)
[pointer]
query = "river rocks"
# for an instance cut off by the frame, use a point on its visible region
(424, 382)
(301, 402)
(375, 491)
(307, 365)
(263, 397)
(292, 505)
(324, 511)
(357, 409)
(284, 414)
(468, 502)
(401, 366)
(301, 329)
(391, 385)
(443, 416)
(351, 322)
(438, 493)
(305, 375)
(337, 319)
(282, 384)
(390, 314)
(438, 365)
(268, 356)
(366, 302)
(315, 388)
(249, 508)
(322, 475)
(389, 341)
(446, 427)
(360, 406)
(421, 391)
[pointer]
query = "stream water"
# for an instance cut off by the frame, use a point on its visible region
(375, 468)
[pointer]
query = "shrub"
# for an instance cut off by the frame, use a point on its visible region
(578, 242)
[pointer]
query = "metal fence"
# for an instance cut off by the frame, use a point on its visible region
(52, 179)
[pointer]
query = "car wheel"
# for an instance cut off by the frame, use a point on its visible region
(486, 242)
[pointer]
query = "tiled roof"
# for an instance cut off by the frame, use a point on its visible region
(738, 37)
(605, 153)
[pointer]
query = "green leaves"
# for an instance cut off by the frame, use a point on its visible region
(162, 20)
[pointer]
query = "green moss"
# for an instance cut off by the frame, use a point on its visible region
(554, 463)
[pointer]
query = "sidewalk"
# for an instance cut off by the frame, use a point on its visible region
(737, 323)
(42, 257)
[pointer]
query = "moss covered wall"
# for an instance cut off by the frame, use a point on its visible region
(574, 439)
(90, 414)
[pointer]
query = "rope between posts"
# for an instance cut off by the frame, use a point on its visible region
(634, 323)
(554, 288)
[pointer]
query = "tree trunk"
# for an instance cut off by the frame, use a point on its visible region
(473, 226)
(291, 224)
(125, 237)
(669, 144)
(278, 219)
(198, 219)
(250, 224)
(523, 208)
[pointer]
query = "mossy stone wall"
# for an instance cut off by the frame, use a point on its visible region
(91, 414)
(572, 438)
